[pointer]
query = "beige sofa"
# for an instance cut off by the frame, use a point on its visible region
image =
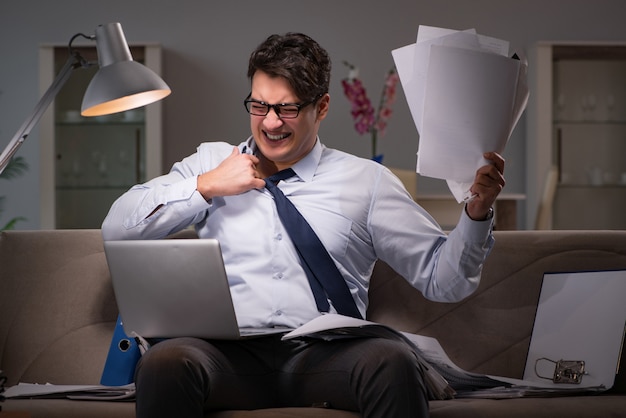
(57, 315)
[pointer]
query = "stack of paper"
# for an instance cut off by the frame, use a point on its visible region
(466, 94)
(441, 376)
(76, 392)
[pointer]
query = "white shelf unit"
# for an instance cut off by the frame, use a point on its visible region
(577, 123)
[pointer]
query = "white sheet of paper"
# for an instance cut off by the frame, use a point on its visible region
(470, 97)
(411, 80)
(418, 74)
(460, 190)
(412, 63)
(38, 390)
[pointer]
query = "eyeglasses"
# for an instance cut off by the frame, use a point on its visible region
(283, 110)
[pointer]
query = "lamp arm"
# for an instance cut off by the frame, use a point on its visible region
(73, 62)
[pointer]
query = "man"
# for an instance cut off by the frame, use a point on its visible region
(359, 211)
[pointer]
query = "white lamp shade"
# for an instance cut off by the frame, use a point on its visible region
(122, 86)
(121, 83)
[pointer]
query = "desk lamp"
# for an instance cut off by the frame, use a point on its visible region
(120, 84)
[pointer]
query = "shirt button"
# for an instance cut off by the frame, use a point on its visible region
(279, 237)
(278, 312)
(278, 276)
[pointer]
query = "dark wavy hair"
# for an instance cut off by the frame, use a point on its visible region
(298, 59)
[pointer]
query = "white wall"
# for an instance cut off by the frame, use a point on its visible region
(207, 44)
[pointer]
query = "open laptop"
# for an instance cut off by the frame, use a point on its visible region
(174, 288)
(581, 317)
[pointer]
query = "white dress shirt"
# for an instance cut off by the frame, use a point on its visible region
(358, 208)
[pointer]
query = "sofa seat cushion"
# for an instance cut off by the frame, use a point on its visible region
(63, 408)
(566, 407)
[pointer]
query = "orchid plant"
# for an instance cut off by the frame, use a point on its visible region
(366, 118)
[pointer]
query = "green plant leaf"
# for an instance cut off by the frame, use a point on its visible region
(16, 167)
(12, 222)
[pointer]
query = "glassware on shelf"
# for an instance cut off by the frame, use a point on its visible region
(588, 107)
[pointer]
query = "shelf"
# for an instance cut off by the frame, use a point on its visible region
(593, 186)
(608, 122)
(446, 210)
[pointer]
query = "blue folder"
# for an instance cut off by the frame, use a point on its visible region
(119, 368)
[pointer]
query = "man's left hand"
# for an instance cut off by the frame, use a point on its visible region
(488, 184)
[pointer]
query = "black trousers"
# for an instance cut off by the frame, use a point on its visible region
(185, 377)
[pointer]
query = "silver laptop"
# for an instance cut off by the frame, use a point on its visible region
(580, 318)
(174, 288)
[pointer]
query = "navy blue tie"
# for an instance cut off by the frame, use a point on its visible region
(324, 276)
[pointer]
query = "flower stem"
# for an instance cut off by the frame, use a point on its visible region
(374, 138)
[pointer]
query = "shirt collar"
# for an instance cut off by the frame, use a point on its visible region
(306, 167)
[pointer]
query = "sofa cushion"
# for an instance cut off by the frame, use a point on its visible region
(58, 308)
(565, 407)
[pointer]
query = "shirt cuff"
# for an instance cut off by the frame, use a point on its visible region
(474, 231)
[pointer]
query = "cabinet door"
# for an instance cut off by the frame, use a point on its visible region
(590, 137)
(96, 161)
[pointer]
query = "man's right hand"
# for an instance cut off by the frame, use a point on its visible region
(236, 174)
